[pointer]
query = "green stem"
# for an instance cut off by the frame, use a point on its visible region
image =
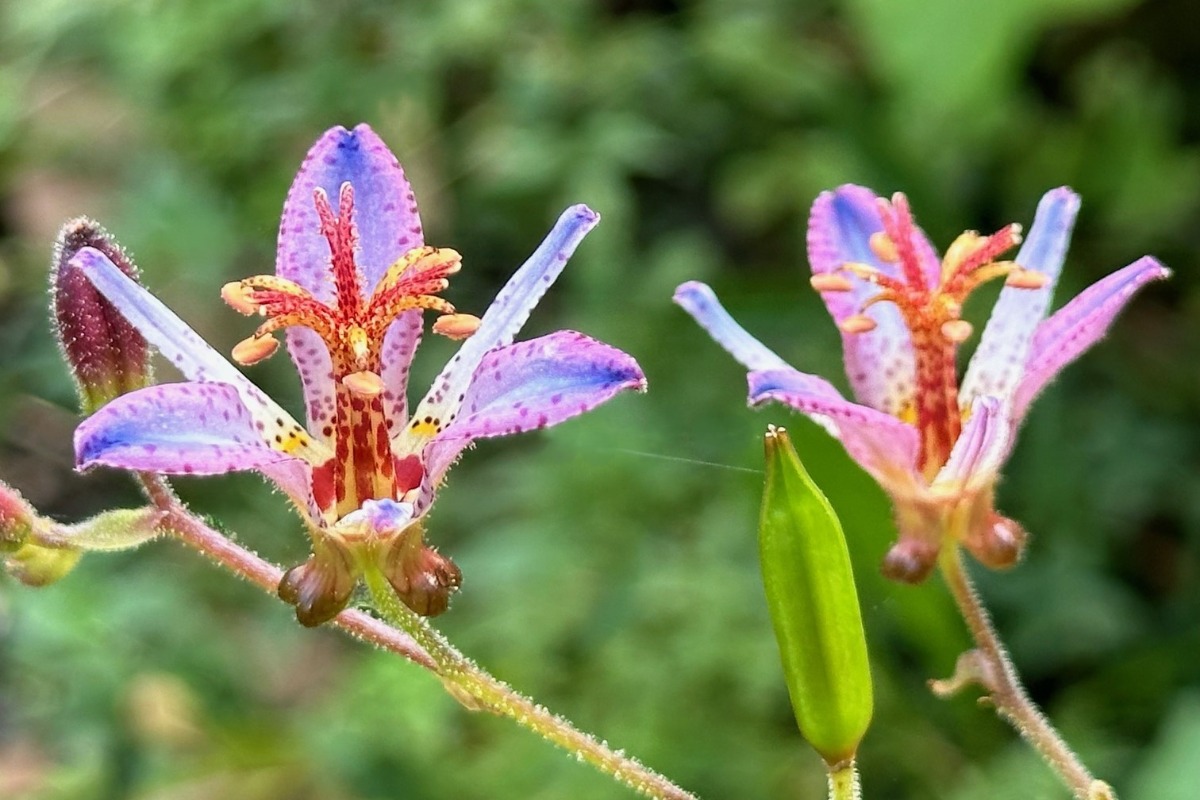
(997, 674)
(478, 690)
(843, 782)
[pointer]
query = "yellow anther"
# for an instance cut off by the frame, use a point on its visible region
(456, 326)
(883, 247)
(858, 323)
(861, 270)
(254, 349)
(959, 251)
(237, 296)
(364, 383)
(1021, 278)
(831, 282)
(957, 330)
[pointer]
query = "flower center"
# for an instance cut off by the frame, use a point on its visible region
(931, 307)
(352, 327)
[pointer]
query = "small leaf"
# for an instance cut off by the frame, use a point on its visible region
(814, 606)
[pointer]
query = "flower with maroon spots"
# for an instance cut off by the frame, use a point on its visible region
(935, 445)
(352, 279)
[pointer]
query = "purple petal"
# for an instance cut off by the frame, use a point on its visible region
(1078, 325)
(185, 429)
(883, 445)
(502, 320)
(311, 357)
(980, 450)
(179, 344)
(700, 301)
(384, 210)
(879, 363)
(532, 385)
(1003, 349)
(399, 344)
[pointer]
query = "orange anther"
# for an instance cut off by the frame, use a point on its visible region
(831, 282)
(883, 247)
(237, 296)
(858, 323)
(456, 326)
(254, 349)
(364, 384)
(1021, 278)
(957, 330)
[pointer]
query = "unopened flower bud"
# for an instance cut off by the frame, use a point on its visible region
(16, 518)
(910, 560)
(35, 565)
(320, 587)
(107, 356)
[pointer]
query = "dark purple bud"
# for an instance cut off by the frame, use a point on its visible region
(107, 356)
(999, 543)
(422, 577)
(320, 587)
(910, 560)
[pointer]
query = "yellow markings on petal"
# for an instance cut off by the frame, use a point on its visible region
(957, 330)
(427, 426)
(883, 247)
(858, 323)
(831, 282)
(456, 326)
(364, 383)
(254, 349)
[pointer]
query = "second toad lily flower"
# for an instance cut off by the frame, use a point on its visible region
(352, 278)
(935, 445)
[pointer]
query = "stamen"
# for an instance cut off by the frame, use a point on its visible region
(238, 296)
(831, 282)
(883, 247)
(456, 326)
(254, 349)
(957, 330)
(858, 323)
(1021, 278)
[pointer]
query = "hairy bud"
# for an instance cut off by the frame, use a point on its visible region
(423, 578)
(320, 587)
(107, 356)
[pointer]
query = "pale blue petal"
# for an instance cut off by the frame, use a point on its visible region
(701, 302)
(1003, 350)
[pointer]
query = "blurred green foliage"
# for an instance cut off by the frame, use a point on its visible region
(610, 563)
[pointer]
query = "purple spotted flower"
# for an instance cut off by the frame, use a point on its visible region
(935, 445)
(352, 279)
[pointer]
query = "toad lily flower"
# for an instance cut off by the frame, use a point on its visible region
(350, 287)
(934, 445)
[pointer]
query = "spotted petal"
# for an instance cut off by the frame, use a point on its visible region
(399, 344)
(980, 450)
(1078, 325)
(498, 326)
(701, 302)
(182, 346)
(186, 429)
(532, 385)
(1003, 350)
(879, 363)
(384, 210)
(883, 445)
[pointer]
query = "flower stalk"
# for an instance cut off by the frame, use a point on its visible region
(408, 634)
(843, 782)
(990, 666)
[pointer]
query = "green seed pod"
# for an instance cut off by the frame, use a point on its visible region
(814, 606)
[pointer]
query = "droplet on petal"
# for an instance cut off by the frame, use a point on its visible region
(456, 326)
(831, 282)
(364, 384)
(957, 330)
(254, 349)
(858, 323)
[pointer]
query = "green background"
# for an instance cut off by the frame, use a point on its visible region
(609, 564)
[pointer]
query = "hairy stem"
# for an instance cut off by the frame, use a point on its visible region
(995, 672)
(419, 643)
(843, 782)
(478, 690)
